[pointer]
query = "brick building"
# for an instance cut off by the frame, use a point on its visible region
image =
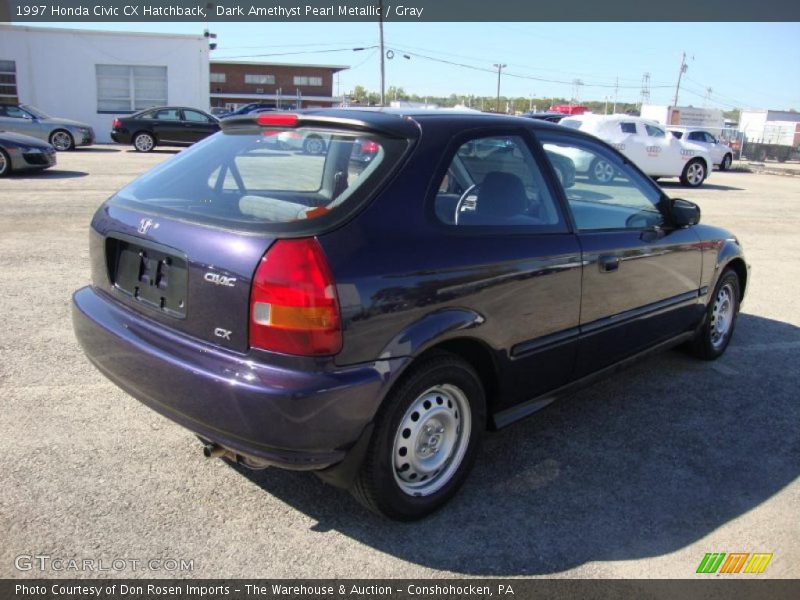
(233, 84)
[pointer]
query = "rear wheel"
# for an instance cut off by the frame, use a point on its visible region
(425, 440)
(694, 173)
(601, 171)
(5, 163)
(62, 140)
(716, 332)
(726, 163)
(144, 142)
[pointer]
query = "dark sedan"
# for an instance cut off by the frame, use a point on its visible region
(370, 324)
(165, 126)
(23, 152)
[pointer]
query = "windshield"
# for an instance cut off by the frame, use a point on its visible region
(39, 114)
(571, 123)
(276, 176)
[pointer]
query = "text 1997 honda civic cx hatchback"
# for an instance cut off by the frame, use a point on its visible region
(369, 324)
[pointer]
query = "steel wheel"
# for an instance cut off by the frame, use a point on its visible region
(5, 164)
(602, 171)
(61, 141)
(144, 142)
(431, 440)
(722, 315)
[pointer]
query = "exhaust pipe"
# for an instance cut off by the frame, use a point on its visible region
(214, 451)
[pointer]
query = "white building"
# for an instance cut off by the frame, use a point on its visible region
(93, 76)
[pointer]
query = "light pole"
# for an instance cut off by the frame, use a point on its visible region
(383, 53)
(499, 68)
(682, 70)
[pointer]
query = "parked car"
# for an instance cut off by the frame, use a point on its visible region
(62, 134)
(721, 154)
(552, 117)
(220, 112)
(310, 143)
(164, 126)
(644, 142)
(369, 328)
(22, 152)
(253, 107)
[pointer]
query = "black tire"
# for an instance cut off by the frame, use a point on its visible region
(694, 173)
(144, 141)
(5, 163)
(601, 171)
(62, 140)
(427, 385)
(706, 345)
(314, 144)
(726, 163)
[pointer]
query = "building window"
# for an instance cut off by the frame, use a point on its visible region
(217, 77)
(8, 81)
(304, 80)
(259, 79)
(122, 88)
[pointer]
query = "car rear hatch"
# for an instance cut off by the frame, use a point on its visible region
(181, 244)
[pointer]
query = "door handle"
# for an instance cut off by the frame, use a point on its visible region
(608, 264)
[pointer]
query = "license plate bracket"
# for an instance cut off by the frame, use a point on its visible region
(148, 272)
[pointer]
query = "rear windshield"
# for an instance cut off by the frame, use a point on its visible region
(258, 177)
(571, 123)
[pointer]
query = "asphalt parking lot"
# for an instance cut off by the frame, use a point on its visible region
(639, 476)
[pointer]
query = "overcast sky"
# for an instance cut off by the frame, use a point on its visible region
(754, 65)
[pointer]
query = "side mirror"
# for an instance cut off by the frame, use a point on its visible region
(683, 212)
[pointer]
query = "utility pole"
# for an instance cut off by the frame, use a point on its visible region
(383, 53)
(682, 70)
(707, 98)
(616, 91)
(644, 98)
(499, 68)
(605, 109)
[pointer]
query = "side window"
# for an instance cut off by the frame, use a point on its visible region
(603, 192)
(697, 136)
(654, 131)
(195, 117)
(627, 127)
(710, 138)
(16, 113)
(168, 114)
(496, 182)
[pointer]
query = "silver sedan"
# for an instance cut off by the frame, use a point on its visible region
(63, 134)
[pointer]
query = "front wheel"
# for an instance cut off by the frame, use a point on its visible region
(62, 140)
(425, 440)
(726, 163)
(716, 331)
(314, 145)
(694, 173)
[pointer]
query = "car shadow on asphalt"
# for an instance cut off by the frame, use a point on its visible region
(156, 151)
(640, 465)
(47, 174)
(706, 186)
(93, 149)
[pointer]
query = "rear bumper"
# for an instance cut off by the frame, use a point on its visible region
(292, 419)
(120, 137)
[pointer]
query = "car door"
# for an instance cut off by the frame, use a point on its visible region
(168, 126)
(663, 152)
(641, 277)
(511, 256)
(18, 120)
(197, 125)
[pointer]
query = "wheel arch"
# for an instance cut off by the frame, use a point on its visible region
(740, 268)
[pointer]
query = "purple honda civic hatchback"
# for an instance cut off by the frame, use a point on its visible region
(369, 320)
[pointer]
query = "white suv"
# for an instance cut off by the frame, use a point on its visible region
(721, 153)
(645, 143)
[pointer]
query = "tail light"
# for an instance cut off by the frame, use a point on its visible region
(369, 147)
(293, 304)
(116, 124)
